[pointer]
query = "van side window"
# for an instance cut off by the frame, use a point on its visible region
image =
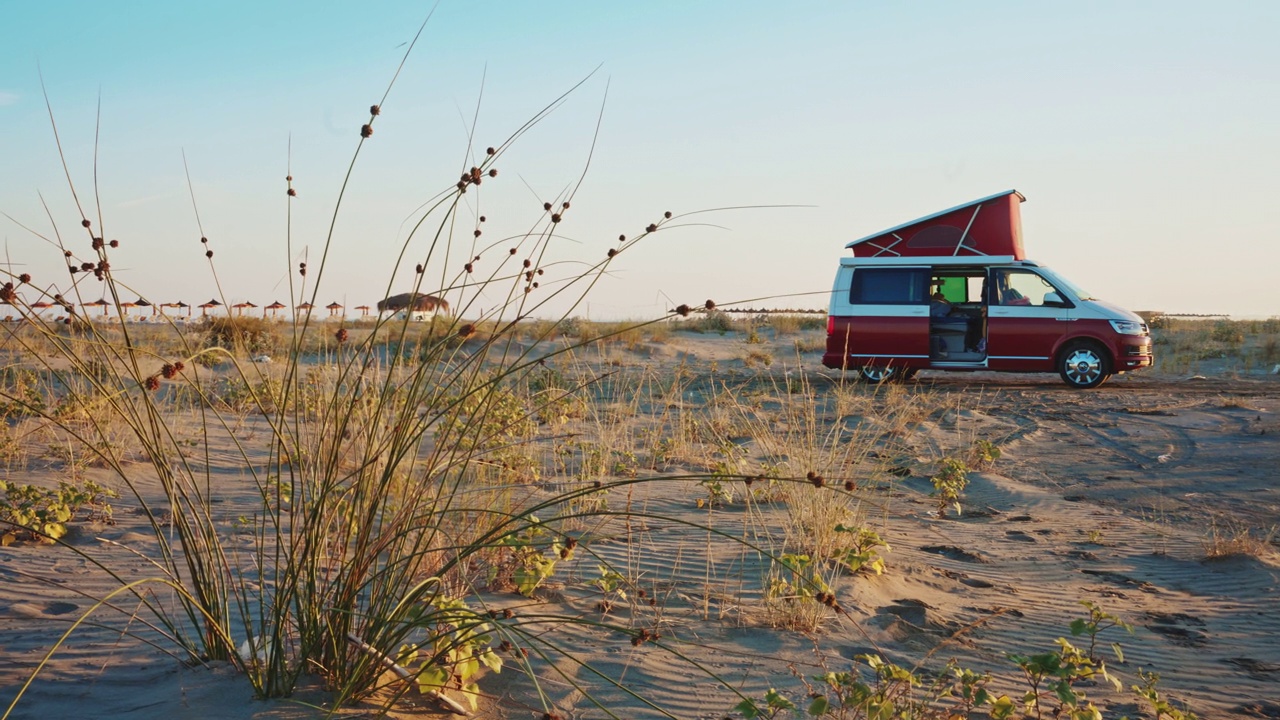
(1019, 287)
(890, 286)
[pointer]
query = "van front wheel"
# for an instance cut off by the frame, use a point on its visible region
(1084, 365)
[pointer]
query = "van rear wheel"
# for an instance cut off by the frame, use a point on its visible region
(877, 374)
(1084, 365)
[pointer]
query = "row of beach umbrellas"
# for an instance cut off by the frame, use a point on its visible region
(273, 309)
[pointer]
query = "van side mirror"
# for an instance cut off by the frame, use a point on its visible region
(1053, 299)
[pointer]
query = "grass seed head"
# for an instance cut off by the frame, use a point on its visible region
(169, 371)
(24, 278)
(293, 193)
(375, 110)
(341, 335)
(555, 217)
(420, 269)
(208, 254)
(366, 131)
(97, 243)
(152, 383)
(652, 227)
(114, 243)
(85, 223)
(683, 310)
(546, 206)
(490, 151)
(476, 232)
(493, 172)
(667, 214)
(468, 267)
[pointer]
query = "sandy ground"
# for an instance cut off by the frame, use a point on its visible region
(1104, 495)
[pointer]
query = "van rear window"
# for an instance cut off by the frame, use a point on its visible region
(889, 286)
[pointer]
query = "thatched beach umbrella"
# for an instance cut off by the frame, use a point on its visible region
(273, 308)
(303, 308)
(98, 303)
(141, 302)
(334, 308)
(179, 305)
(364, 310)
(240, 306)
(204, 307)
(413, 302)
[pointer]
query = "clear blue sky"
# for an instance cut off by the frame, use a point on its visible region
(1144, 135)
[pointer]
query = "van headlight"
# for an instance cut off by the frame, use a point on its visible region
(1129, 327)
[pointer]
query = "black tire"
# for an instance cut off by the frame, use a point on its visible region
(1084, 365)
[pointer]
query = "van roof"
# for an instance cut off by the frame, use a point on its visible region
(998, 229)
(925, 260)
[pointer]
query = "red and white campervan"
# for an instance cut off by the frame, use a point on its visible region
(954, 291)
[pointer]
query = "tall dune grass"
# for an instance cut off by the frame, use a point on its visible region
(387, 479)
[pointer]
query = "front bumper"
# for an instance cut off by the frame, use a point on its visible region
(1135, 353)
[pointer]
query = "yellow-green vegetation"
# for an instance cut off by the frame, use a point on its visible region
(1186, 345)
(1055, 684)
(43, 515)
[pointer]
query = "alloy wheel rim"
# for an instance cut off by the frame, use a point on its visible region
(1084, 367)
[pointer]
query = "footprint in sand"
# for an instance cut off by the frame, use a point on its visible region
(953, 552)
(53, 608)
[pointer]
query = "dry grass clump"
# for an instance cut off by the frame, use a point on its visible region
(1182, 345)
(354, 498)
(1235, 540)
(242, 335)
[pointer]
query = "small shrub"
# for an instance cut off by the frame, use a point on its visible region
(948, 483)
(41, 514)
(241, 334)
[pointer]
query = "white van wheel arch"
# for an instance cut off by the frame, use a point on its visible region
(1084, 364)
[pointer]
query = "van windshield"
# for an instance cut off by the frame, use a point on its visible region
(1067, 285)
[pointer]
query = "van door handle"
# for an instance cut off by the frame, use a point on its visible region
(998, 313)
(920, 312)
(1065, 319)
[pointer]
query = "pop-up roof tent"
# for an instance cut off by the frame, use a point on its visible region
(990, 226)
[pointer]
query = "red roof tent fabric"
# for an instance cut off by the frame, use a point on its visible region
(990, 226)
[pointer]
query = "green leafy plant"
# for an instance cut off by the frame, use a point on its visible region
(1148, 689)
(862, 549)
(42, 514)
(949, 482)
(983, 454)
(1097, 622)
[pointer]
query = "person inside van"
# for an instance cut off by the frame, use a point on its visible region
(1006, 295)
(938, 306)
